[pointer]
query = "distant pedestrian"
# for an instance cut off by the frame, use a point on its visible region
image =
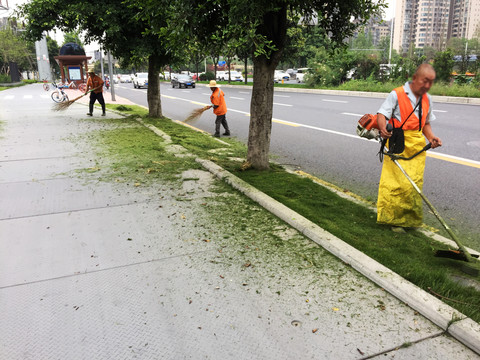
(219, 108)
(95, 83)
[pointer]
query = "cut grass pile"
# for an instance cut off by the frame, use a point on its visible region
(138, 155)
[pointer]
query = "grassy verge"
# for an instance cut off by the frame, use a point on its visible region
(139, 157)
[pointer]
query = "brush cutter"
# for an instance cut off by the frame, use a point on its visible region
(473, 267)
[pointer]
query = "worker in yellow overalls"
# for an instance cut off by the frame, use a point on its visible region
(408, 107)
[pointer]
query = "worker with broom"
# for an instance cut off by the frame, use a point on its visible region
(219, 108)
(95, 83)
(409, 110)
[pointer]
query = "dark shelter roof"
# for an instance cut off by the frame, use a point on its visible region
(71, 49)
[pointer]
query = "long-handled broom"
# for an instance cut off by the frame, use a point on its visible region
(66, 104)
(195, 114)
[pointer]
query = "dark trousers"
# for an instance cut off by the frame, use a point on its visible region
(94, 97)
(221, 119)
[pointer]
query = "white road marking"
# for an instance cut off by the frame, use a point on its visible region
(237, 98)
(206, 94)
(282, 104)
(352, 114)
(244, 92)
(337, 101)
(441, 111)
(285, 96)
(45, 96)
(27, 96)
(9, 97)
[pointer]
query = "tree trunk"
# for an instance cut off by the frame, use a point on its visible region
(153, 90)
(246, 70)
(274, 28)
(261, 109)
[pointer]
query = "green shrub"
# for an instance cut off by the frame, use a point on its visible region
(207, 76)
(4, 78)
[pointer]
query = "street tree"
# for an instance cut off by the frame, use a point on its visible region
(13, 49)
(443, 64)
(264, 24)
(113, 24)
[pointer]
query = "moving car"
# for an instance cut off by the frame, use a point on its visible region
(125, 78)
(140, 80)
(183, 80)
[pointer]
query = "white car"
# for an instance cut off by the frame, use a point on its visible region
(235, 76)
(125, 78)
(222, 75)
(301, 74)
(140, 80)
(280, 75)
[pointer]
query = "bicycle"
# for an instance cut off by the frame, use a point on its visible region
(59, 95)
(73, 85)
(46, 87)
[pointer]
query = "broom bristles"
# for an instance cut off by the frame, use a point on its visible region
(66, 104)
(196, 114)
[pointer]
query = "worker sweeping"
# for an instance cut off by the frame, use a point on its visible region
(409, 110)
(96, 83)
(219, 108)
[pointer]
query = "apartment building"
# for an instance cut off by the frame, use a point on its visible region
(431, 23)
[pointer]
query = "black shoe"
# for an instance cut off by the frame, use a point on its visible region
(89, 114)
(227, 133)
(103, 114)
(216, 135)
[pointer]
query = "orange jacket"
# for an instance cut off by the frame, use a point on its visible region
(217, 99)
(94, 82)
(406, 109)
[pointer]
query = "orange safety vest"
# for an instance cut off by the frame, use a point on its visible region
(95, 82)
(217, 98)
(406, 109)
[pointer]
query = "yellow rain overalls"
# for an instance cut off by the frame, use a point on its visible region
(398, 203)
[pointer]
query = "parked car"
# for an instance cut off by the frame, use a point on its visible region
(235, 76)
(165, 75)
(183, 80)
(222, 76)
(301, 74)
(140, 80)
(292, 73)
(125, 78)
(280, 75)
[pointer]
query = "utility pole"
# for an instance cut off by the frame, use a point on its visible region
(43, 61)
(110, 70)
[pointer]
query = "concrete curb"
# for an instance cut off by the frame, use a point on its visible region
(463, 329)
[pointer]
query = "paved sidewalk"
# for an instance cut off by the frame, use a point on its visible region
(97, 270)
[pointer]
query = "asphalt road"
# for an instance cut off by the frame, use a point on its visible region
(316, 133)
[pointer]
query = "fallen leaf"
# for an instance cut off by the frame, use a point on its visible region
(314, 330)
(335, 309)
(360, 351)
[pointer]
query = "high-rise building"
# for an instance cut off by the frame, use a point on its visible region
(430, 23)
